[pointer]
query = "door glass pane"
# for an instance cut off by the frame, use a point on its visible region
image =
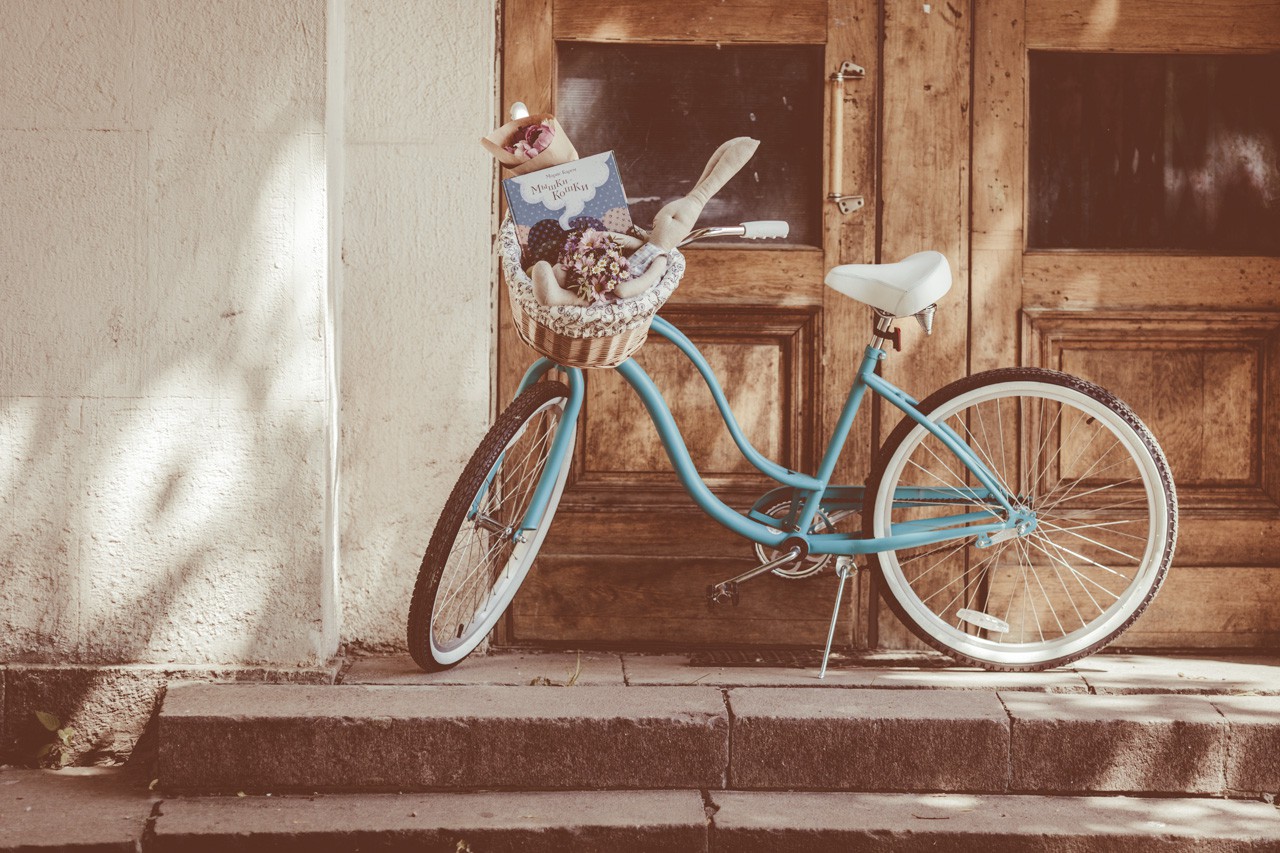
(1154, 152)
(665, 109)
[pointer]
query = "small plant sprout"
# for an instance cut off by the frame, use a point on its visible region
(56, 753)
(544, 681)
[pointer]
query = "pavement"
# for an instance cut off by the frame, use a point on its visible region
(121, 808)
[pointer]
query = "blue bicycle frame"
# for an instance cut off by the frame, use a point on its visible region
(808, 493)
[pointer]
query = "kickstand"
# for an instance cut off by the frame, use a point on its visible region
(844, 569)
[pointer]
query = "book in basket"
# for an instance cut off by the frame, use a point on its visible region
(547, 204)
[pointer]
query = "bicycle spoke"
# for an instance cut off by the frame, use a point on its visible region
(1093, 542)
(1079, 575)
(1044, 443)
(1110, 525)
(1053, 611)
(946, 557)
(1004, 462)
(958, 576)
(1026, 595)
(1065, 589)
(991, 466)
(1077, 555)
(945, 484)
(1092, 491)
(475, 566)
(1089, 471)
(1076, 575)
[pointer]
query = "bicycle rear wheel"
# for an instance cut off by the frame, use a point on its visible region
(1105, 520)
(475, 562)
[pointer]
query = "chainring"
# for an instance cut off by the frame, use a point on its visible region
(811, 565)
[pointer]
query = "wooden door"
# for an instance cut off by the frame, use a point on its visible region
(1126, 222)
(629, 556)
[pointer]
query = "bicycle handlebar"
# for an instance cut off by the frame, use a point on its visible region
(766, 229)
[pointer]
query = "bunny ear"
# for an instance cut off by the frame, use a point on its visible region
(742, 151)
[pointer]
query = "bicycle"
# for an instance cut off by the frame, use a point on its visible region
(1004, 509)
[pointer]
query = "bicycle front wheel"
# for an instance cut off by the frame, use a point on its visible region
(477, 557)
(1105, 520)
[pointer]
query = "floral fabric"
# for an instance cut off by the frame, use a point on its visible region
(586, 321)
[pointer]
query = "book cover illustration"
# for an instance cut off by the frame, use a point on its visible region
(548, 203)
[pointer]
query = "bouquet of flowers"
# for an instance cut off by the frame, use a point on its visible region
(594, 265)
(529, 144)
(532, 141)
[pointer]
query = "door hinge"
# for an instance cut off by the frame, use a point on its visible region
(849, 70)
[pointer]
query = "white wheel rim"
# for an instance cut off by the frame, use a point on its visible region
(507, 583)
(1100, 627)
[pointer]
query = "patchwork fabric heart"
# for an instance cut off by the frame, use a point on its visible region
(582, 223)
(546, 239)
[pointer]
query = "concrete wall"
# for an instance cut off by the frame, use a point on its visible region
(175, 180)
(163, 375)
(417, 315)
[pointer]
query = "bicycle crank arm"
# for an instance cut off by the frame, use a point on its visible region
(727, 591)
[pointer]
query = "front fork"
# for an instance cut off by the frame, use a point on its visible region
(559, 447)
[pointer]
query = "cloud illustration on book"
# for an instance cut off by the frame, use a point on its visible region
(568, 190)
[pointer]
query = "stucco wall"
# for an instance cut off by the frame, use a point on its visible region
(162, 331)
(417, 315)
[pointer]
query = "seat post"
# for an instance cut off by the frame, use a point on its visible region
(884, 330)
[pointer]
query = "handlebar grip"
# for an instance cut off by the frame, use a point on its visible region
(766, 229)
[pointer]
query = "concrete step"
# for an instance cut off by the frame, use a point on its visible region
(554, 822)
(726, 822)
(91, 810)
(757, 822)
(269, 738)
(292, 738)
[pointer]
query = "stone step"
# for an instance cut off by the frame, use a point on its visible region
(725, 822)
(504, 822)
(774, 822)
(293, 738)
(275, 738)
(94, 810)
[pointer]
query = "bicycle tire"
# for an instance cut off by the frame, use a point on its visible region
(1057, 551)
(501, 466)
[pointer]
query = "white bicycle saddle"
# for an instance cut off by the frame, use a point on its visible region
(900, 289)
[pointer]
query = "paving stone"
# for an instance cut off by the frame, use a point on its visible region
(603, 821)
(958, 678)
(1123, 673)
(554, 669)
(649, 670)
(231, 738)
(80, 809)
(1157, 744)
(677, 670)
(776, 822)
(1253, 751)
(868, 740)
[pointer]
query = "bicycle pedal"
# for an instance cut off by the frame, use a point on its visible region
(722, 593)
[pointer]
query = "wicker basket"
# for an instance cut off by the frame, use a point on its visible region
(593, 336)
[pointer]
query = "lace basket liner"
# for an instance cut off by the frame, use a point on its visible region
(582, 336)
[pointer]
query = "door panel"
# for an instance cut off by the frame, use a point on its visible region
(630, 555)
(1189, 339)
